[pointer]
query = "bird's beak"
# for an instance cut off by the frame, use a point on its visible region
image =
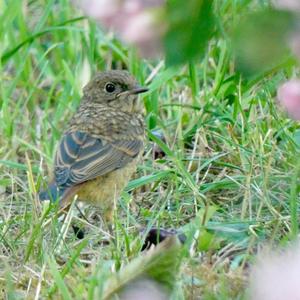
(134, 91)
(138, 90)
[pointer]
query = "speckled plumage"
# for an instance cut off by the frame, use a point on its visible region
(100, 149)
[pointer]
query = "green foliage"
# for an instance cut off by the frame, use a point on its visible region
(261, 40)
(190, 26)
(160, 264)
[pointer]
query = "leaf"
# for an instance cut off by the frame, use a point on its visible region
(260, 40)
(233, 231)
(15, 165)
(68, 266)
(191, 25)
(159, 265)
(63, 289)
(133, 184)
(205, 214)
(207, 241)
(162, 78)
(297, 137)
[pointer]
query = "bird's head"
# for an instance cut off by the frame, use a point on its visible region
(115, 88)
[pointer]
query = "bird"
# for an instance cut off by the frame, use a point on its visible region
(102, 145)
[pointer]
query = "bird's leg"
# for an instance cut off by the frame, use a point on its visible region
(108, 219)
(82, 214)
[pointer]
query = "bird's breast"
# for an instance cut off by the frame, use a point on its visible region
(105, 190)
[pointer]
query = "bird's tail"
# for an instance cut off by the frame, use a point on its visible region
(52, 193)
(62, 195)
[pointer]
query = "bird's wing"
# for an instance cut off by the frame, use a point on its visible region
(81, 157)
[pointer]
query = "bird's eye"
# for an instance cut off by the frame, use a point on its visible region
(110, 87)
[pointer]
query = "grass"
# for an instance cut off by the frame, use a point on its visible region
(229, 177)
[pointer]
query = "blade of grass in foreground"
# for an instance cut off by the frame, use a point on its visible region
(58, 278)
(133, 184)
(72, 260)
(293, 200)
(186, 176)
(14, 165)
(31, 38)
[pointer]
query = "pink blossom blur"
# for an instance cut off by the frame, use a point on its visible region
(292, 5)
(135, 21)
(148, 36)
(276, 276)
(289, 96)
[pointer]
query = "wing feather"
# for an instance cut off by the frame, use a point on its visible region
(81, 157)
